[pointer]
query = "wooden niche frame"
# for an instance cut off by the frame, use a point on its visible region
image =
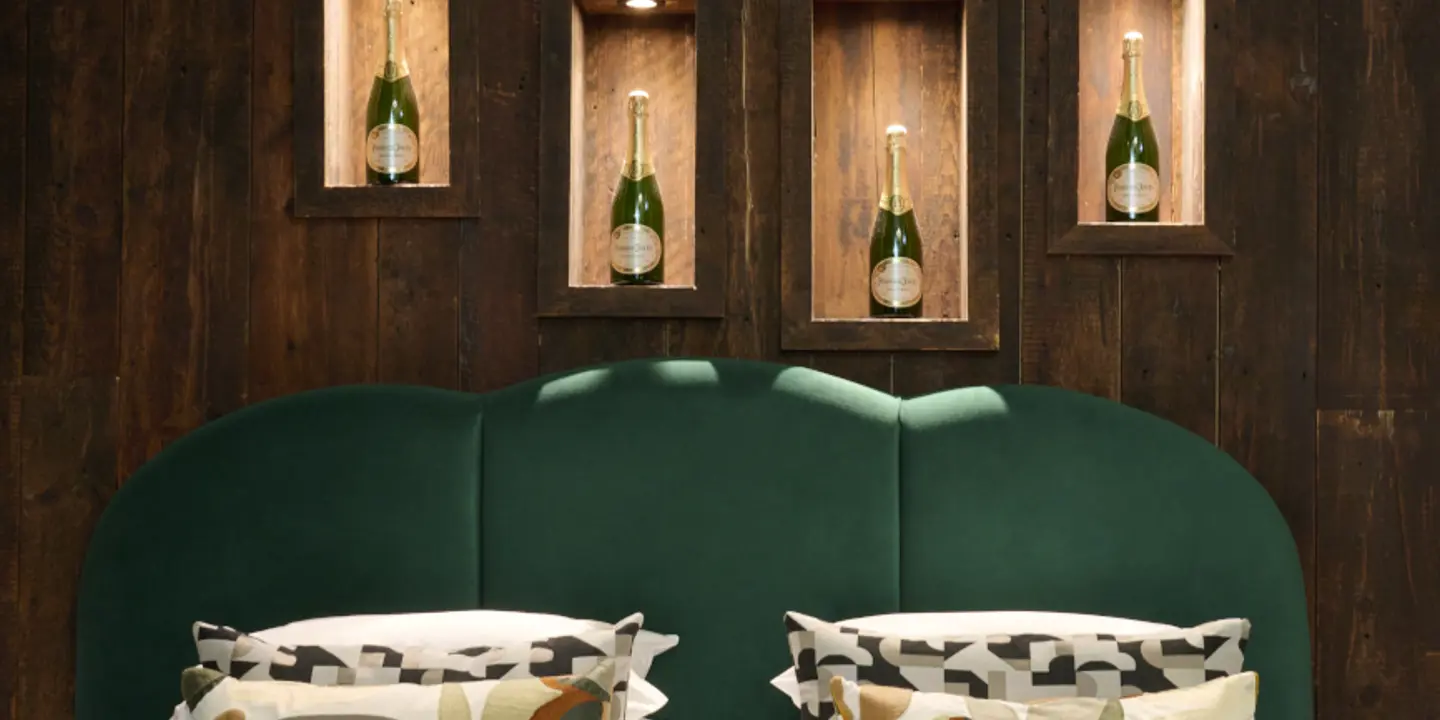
(1196, 71)
(460, 197)
(560, 291)
(977, 328)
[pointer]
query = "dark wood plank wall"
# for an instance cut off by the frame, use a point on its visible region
(154, 278)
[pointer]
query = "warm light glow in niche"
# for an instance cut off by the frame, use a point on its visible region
(641, 4)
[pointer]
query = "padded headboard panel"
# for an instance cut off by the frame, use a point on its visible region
(711, 495)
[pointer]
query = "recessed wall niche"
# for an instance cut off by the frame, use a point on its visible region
(931, 66)
(1185, 41)
(340, 50)
(596, 53)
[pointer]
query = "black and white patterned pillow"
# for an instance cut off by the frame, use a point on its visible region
(1011, 667)
(246, 657)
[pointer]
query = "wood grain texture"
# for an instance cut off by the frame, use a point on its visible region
(871, 369)
(14, 39)
(418, 285)
(185, 273)
(67, 477)
(1168, 365)
(877, 65)
(354, 53)
(618, 7)
(1380, 211)
(313, 285)
(12, 646)
(328, 80)
(1377, 493)
(1071, 334)
(73, 183)
(571, 343)
(498, 336)
(1268, 318)
(655, 53)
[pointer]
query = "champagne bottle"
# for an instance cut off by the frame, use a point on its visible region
(637, 216)
(897, 275)
(392, 123)
(1132, 159)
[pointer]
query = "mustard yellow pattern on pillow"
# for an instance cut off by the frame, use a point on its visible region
(1230, 698)
(214, 696)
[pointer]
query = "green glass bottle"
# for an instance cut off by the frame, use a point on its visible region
(897, 263)
(1132, 159)
(392, 122)
(637, 216)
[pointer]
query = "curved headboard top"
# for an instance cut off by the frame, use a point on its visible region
(712, 495)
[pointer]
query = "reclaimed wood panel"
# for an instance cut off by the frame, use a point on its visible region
(616, 6)
(1376, 576)
(185, 273)
(876, 65)
(655, 53)
(73, 178)
(418, 285)
(67, 477)
(1168, 364)
(498, 330)
(871, 369)
(12, 646)
(13, 189)
(313, 285)
(570, 343)
(1268, 318)
(1380, 208)
(355, 53)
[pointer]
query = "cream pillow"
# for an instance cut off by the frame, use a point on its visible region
(1229, 698)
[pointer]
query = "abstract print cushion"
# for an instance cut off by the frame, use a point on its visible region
(248, 658)
(1017, 667)
(1229, 698)
(211, 695)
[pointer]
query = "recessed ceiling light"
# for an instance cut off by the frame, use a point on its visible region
(641, 4)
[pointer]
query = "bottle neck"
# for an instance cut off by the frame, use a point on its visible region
(637, 162)
(1132, 95)
(395, 65)
(896, 197)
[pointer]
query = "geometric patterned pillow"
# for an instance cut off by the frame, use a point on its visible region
(1229, 698)
(210, 695)
(1011, 667)
(248, 658)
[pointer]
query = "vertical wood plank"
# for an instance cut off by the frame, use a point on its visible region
(1376, 573)
(68, 475)
(1071, 304)
(419, 286)
(11, 497)
(872, 369)
(185, 273)
(498, 332)
(1170, 323)
(313, 287)
(570, 343)
(1267, 317)
(14, 48)
(73, 179)
(1380, 210)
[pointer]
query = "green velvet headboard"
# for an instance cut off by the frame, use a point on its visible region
(712, 495)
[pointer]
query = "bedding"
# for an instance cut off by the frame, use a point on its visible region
(1005, 622)
(212, 695)
(1228, 698)
(1016, 667)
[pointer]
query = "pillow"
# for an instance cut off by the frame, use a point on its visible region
(1230, 698)
(981, 623)
(454, 630)
(1015, 667)
(248, 658)
(211, 695)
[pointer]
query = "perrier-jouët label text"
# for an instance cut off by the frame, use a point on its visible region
(1132, 159)
(897, 265)
(392, 121)
(637, 217)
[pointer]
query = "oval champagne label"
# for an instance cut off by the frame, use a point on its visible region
(635, 249)
(392, 149)
(897, 282)
(1134, 188)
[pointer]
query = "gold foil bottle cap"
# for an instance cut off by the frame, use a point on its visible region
(394, 7)
(1134, 44)
(638, 103)
(895, 136)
